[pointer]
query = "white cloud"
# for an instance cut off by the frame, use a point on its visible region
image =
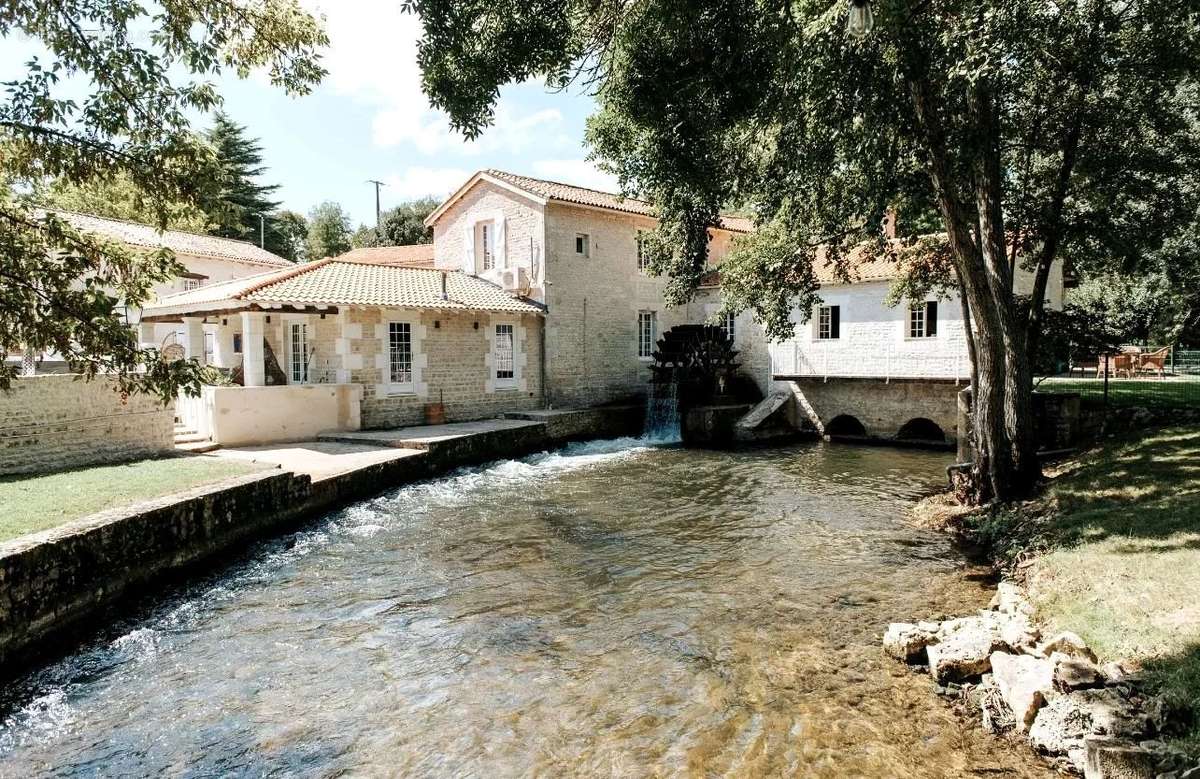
(372, 59)
(581, 173)
(420, 181)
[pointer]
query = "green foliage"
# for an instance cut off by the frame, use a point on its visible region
(120, 198)
(292, 229)
(403, 225)
(328, 231)
(142, 67)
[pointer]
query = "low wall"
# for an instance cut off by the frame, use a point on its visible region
(241, 416)
(563, 425)
(50, 423)
(883, 408)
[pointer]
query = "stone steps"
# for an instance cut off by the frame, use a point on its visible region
(197, 447)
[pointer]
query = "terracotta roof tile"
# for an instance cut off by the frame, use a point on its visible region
(143, 235)
(568, 193)
(337, 282)
(416, 256)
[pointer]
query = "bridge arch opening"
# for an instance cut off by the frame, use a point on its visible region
(921, 429)
(845, 426)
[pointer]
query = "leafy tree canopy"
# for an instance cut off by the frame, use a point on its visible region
(403, 225)
(328, 231)
(120, 198)
(1023, 127)
(293, 232)
(144, 68)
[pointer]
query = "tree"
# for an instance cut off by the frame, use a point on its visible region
(120, 198)
(1024, 127)
(293, 232)
(240, 201)
(403, 225)
(139, 64)
(328, 231)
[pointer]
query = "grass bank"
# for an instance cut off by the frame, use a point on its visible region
(35, 503)
(1111, 551)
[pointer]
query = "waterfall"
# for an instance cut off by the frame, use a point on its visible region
(662, 413)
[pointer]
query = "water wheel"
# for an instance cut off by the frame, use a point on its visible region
(699, 359)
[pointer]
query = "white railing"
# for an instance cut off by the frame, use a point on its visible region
(792, 358)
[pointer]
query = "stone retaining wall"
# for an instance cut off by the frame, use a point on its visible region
(50, 423)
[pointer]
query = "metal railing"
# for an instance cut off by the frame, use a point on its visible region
(828, 361)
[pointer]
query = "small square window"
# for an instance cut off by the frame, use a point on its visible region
(922, 320)
(829, 323)
(582, 247)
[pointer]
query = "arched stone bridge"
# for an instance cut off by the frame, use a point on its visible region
(909, 410)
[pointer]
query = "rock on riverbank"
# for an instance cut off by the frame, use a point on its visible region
(1086, 718)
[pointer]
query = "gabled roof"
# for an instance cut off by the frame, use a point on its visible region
(544, 191)
(336, 282)
(195, 244)
(416, 256)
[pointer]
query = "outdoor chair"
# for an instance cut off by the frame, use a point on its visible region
(1085, 364)
(1125, 364)
(1155, 362)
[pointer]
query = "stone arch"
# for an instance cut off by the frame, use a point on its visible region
(921, 429)
(845, 426)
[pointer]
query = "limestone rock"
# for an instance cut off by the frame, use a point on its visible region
(1018, 633)
(1073, 673)
(1066, 720)
(1010, 600)
(1110, 758)
(906, 641)
(963, 649)
(1025, 682)
(1067, 643)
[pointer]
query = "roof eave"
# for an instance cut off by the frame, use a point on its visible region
(481, 175)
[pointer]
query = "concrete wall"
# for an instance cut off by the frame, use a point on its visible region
(241, 416)
(50, 423)
(882, 408)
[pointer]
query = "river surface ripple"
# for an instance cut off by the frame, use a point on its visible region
(613, 609)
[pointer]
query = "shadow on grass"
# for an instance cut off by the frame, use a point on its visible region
(1177, 678)
(1145, 489)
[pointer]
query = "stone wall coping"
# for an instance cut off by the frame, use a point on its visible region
(91, 522)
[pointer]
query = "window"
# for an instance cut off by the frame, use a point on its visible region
(647, 334)
(298, 352)
(209, 339)
(505, 367)
(582, 244)
(400, 355)
(643, 256)
(487, 245)
(829, 323)
(237, 343)
(728, 323)
(190, 284)
(922, 320)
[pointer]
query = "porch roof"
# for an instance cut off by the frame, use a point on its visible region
(339, 282)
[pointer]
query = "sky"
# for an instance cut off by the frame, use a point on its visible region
(369, 120)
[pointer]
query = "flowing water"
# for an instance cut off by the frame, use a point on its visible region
(613, 609)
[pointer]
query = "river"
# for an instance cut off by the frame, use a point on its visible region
(613, 609)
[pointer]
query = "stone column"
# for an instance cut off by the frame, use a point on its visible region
(193, 339)
(223, 356)
(254, 370)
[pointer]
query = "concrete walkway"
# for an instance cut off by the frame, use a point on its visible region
(318, 459)
(428, 437)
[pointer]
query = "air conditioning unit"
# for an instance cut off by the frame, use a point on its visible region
(514, 279)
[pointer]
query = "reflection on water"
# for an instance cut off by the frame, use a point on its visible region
(613, 609)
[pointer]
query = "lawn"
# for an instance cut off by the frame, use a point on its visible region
(34, 503)
(1112, 553)
(1172, 392)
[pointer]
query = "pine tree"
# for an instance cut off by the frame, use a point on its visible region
(236, 208)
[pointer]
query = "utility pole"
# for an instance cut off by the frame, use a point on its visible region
(377, 184)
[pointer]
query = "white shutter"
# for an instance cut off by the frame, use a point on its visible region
(501, 248)
(468, 261)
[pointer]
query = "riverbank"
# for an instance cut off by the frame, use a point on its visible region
(1110, 551)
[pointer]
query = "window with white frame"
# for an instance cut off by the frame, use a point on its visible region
(190, 284)
(297, 352)
(485, 239)
(829, 323)
(647, 333)
(728, 326)
(400, 355)
(504, 355)
(582, 244)
(922, 320)
(643, 253)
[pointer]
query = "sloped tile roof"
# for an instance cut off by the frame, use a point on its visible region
(148, 236)
(569, 193)
(416, 256)
(862, 267)
(337, 282)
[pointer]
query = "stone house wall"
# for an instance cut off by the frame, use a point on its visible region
(54, 422)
